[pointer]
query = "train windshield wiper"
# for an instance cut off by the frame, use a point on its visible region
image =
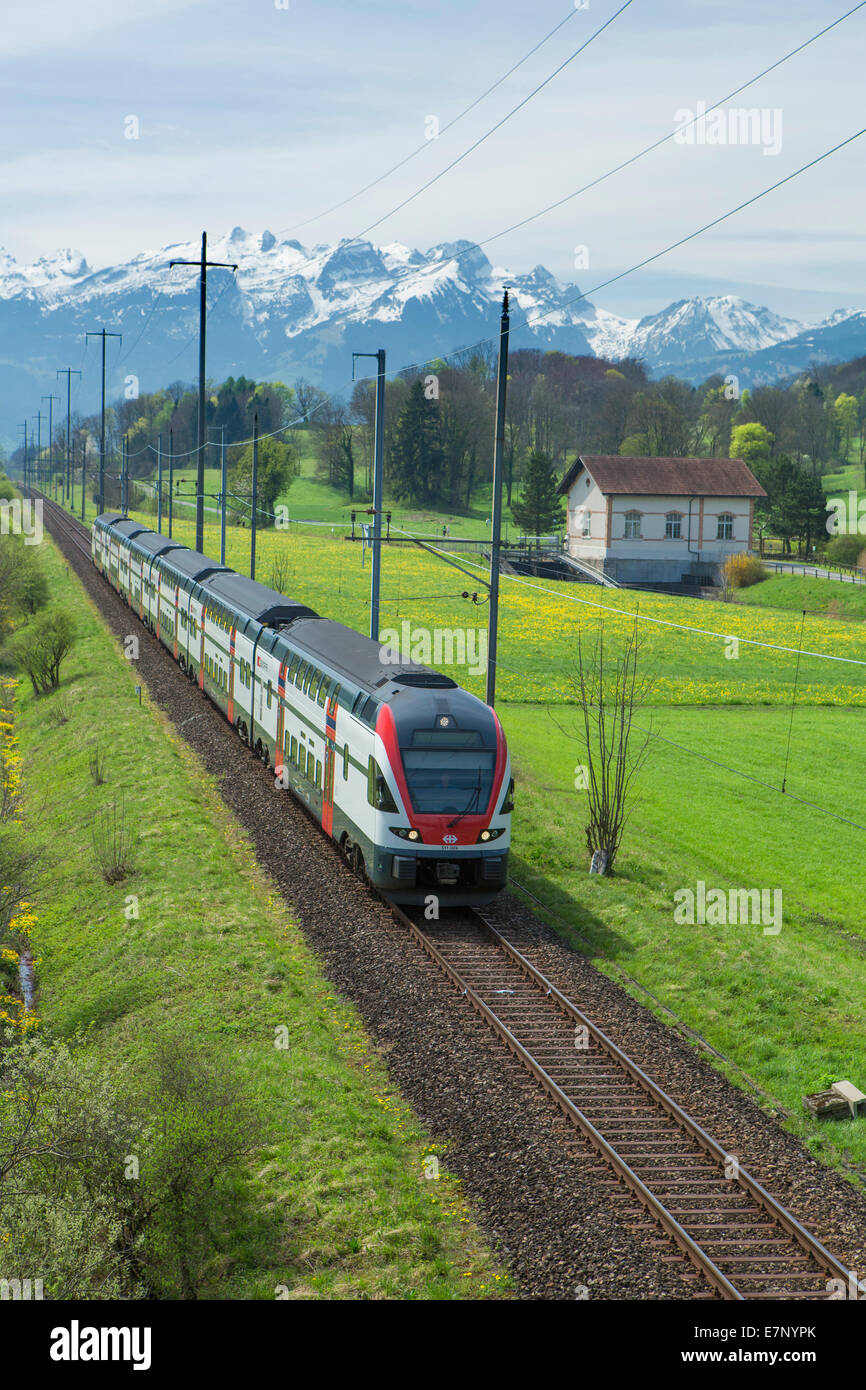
(475, 795)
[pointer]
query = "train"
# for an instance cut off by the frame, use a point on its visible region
(407, 772)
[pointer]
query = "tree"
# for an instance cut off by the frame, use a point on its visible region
(845, 413)
(752, 443)
(417, 456)
(608, 694)
(278, 466)
(539, 508)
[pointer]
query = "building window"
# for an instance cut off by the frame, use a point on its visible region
(583, 522)
(725, 528)
(632, 526)
(673, 526)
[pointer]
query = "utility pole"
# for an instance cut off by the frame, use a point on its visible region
(496, 527)
(25, 451)
(255, 494)
(69, 373)
(202, 264)
(170, 478)
(377, 486)
(39, 479)
(159, 484)
(84, 438)
(223, 486)
(124, 476)
(100, 501)
(50, 400)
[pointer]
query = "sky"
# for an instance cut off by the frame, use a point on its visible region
(264, 113)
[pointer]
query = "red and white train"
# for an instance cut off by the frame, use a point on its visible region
(408, 773)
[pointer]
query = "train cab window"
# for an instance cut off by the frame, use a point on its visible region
(508, 803)
(345, 762)
(378, 791)
(368, 712)
(357, 702)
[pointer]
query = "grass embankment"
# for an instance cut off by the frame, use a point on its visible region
(787, 1008)
(343, 1206)
(836, 598)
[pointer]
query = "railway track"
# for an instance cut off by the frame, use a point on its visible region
(744, 1243)
(62, 521)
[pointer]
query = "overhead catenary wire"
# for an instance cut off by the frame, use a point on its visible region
(661, 622)
(499, 124)
(640, 154)
(532, 217)
(427, 144)
(492, 338)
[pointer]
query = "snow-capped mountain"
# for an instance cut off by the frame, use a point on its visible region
(292, 311)
(693, 329)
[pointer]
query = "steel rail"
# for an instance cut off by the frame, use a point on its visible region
(745, 1180)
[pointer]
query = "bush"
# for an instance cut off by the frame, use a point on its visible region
(41, 646)
(120, 1182)
(740, 571)
(115, 840)
(847, 550)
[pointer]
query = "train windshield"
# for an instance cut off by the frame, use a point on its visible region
(449, 780)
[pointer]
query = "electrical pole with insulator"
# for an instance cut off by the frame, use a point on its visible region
(496, 524)
(202, 264)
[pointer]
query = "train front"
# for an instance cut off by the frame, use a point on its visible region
(449, 832)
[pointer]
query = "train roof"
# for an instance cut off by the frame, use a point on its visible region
(154, 544)
(192, 563)
(127, 527)
(256, 600)
(358, 657)
(110, 518)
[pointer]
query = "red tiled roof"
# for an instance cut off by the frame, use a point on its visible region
(666, 477)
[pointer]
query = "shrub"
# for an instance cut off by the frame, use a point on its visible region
(739, 571)
(41, 646)
(115, 839)
(847, 550)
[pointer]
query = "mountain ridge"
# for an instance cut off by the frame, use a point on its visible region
(296, 311)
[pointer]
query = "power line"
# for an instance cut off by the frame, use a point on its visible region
(664, 622)
(498, 126)
(428, 143)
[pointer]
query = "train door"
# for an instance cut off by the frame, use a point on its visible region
(328, 776)
(281, 719)
(230, 713)
(201, 653)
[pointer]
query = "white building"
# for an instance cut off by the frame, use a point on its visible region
(659, 520)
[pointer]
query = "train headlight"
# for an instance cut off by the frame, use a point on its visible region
(490, 835)
(404, 832)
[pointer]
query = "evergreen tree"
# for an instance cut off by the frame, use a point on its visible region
(538, 510)
(417, 458)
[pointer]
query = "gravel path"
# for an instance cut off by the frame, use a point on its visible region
(541, 1197)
